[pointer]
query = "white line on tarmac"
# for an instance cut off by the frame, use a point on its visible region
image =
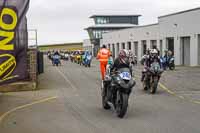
(25, 106)
(67, 80)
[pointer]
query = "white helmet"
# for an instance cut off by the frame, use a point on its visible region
(126, 51)
(154, 51)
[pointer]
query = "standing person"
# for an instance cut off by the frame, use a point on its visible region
(166, 60)
(131, 58)
(110, 60)
(103, 56)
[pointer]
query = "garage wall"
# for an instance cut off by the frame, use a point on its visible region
(185, 24)
(180, 24)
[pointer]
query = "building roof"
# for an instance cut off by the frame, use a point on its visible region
(136, 15)
(141, 26)
(194, 9)
(111, 26)
(136, 26)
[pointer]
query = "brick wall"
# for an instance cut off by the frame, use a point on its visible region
(31, 83)
(32, 64)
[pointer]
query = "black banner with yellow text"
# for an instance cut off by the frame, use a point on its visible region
(13, 40)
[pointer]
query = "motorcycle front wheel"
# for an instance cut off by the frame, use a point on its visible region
(172, 67)
(121, 104)
(154, 86)
(146, 83)
(145, 86)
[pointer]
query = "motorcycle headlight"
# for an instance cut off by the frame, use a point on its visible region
(118, 79)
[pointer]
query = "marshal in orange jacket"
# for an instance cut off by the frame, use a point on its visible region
(103, 56)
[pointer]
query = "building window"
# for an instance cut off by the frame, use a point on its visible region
(97, 34)
(102, 20)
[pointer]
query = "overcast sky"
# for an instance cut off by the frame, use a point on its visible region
(60, 21)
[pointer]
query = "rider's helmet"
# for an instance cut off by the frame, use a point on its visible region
(104, 46)
(127, 52)
(130, 53)
(56, 53)
(123, 56)
(154, 53)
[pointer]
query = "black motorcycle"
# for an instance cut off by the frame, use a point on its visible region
(152, 77)
(116, 91)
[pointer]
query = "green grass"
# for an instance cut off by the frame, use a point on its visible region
(67, 46)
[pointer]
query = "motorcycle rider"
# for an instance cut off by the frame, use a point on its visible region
(103, 56)
(122, 61)
(56, 56)
(148, 59)
(87, 57)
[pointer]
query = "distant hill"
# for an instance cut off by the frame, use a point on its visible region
(66, 46)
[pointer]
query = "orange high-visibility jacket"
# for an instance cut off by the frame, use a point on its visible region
(103, 55)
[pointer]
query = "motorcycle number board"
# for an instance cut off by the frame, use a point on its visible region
(125, 75)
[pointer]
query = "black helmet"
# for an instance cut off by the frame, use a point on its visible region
(104, 46)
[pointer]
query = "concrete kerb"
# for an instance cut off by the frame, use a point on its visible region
(18, 86)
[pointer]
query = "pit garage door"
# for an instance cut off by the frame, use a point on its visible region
(136, 48)
(117, 48)
(185, 50)
(161, 48)
(153, 44)
(144, 47)
(170, 44)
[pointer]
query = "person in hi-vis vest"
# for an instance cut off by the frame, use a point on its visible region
(103, 56)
